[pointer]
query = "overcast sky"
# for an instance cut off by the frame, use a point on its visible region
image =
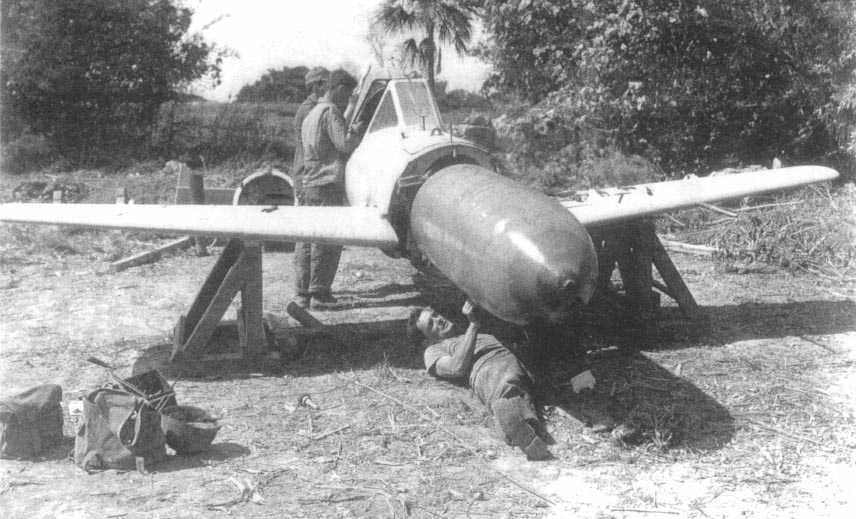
(271, 34)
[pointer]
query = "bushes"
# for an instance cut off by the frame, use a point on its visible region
(90, 74)
(27, 152)
(812, 230)
(692, 86)
(543, 147)
(217, 131)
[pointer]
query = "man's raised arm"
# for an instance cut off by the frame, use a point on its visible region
(459, 363)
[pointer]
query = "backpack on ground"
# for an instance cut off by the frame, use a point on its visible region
(31, 422)
(120, 430)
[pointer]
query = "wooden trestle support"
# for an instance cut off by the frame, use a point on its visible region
(239, 269)
(634, 248)
(631, 247)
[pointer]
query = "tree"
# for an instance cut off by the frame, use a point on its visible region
(446, 21)
(283, 85)
(84, 72)
(692, 84)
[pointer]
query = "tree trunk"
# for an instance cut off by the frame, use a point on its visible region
(428, 56)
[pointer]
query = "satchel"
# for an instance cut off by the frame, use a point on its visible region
(119, 431)
(31, 422)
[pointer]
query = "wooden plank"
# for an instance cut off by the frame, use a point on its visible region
(149, 256)
(663, 288)
(227, 290)
(207, 291)
(634, 263)
(677, 289)
(251, 324)
(121, 195)
(303, 317)
(197, 196)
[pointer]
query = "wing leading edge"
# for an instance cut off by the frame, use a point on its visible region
(360, 226)
(625, 203)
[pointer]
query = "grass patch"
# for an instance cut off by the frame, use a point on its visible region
(812, 230)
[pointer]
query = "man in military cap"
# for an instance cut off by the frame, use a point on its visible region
(326, 146)
(316, 81)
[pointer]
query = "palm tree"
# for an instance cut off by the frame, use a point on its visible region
(449, 21)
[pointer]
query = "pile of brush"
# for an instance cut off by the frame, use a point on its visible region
(813, 230)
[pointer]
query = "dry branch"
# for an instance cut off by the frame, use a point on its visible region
(688, 248)
(149, 256)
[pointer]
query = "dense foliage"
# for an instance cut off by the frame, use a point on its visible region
(90, 73)
(689, 84)
(283, 85)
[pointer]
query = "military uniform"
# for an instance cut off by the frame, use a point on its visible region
(501, 383)
(302, 111)
(313, 78)
(326, 146)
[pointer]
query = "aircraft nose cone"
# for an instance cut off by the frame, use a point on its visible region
(515, 252)
(558, 296)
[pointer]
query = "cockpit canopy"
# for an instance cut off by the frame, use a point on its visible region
(397, 103)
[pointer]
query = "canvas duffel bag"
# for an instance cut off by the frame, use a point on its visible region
(119, 431)
(31, 422)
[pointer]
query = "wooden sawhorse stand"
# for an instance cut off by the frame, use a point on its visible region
(635, 248)
(239, 269)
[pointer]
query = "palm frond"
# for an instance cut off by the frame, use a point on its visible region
(411, 51)
(454, 26)
(392, 16)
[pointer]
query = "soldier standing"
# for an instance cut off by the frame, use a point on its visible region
(316, 80)
(326, 147)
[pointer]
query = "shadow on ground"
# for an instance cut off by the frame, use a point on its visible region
(663, 409)
(343, 347)
(217, 452)
(724, 324)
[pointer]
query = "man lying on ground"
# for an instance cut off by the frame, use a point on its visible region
(494, 373)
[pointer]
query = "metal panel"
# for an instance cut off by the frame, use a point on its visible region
(624, 203)
(361, 226)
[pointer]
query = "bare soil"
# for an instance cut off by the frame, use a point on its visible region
(753, 417)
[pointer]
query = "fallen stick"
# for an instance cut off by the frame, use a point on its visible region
(397, 401)
(765, 206)
(818, 343)
(330, 433)
(688, 248)
(644, 511)
(786, 434)
(458, 439)
(717, 209)
(149, 256)
(675, 220)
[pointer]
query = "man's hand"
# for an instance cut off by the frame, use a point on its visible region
(472, 312)
(358, 127)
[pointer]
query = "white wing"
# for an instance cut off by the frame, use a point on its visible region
(362, 226)
(625, 203)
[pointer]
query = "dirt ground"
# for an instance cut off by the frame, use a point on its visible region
(752, 418)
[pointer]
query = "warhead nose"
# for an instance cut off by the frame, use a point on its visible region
(515, 252)
(558, 296)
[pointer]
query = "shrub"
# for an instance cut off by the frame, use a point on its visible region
(812, 230)
(26, 153)
(218, 131)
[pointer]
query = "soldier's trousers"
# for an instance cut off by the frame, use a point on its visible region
(502, 384)
(315, 264)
